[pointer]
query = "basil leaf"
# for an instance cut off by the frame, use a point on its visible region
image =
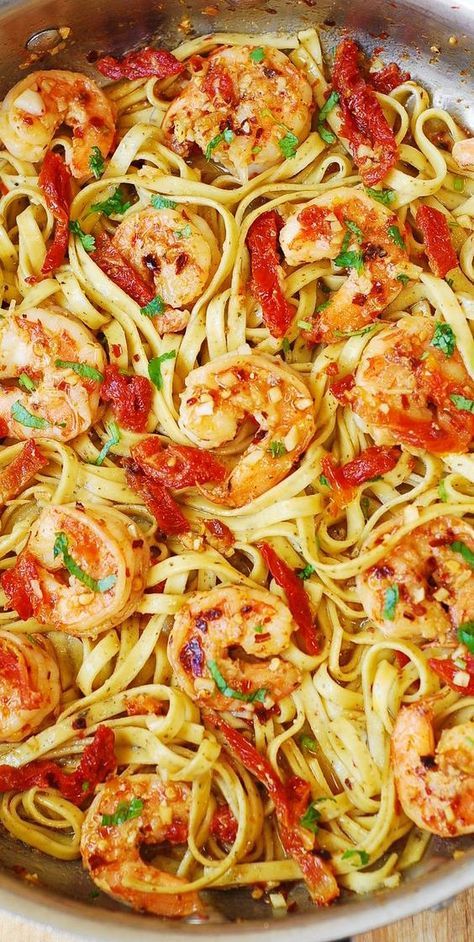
(257, 55)
(308, 743)
(183, 233)
(327, 135)
(306, 572)
(324, 481)
(463, 404)
(355, 229)
(444, 338)
(61, 546)
(154, 307)
(350, 260)
(226, 136)
(288, 145)
(322, 307)
(277, 449)
(154, 367)
(82, 369)
(114, 205)
(465, 552)
(162, 202)
(392, 596)
(396, 236)
(382, 196)
(125, 811)
(114, 439)
(96, 162)
(364, 857)
(404, 279)
(26, 382)
(328, 106)
(311, 818)
(466, 635)
(87, 241)
(257, 696)
(21, 415)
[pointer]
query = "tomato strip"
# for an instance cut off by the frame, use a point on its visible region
(446, 669)
(18, 585)
(224, 825)
(158, 499)
(262, 243)
(437, 240)
(130, 396)
(177, 466)
(388, 78)
(317, 873)
(144, 63)
(55, 182)
(370, 138)
(97, 763)
(21, 471)
(116, 267)
(345, 479)
(297, 598)
(218, 84)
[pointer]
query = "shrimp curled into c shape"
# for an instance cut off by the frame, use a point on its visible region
(36, 107)
(435, 785)
(205, 630)
(218, 398)
(82, 573)
(110, 848)
(30, 688)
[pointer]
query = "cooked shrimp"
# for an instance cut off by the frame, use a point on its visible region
(81, 573)
(333, 225)
(169, 251)
(435, 785)
(36, 107)
(423, 587)
(30, 688)
(210, 625)
(222, 394)
(43, 399)
(247, 115)
(463, 153)
(407, 390)
(129, 812)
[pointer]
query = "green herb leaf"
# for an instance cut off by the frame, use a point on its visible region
(306, 572)
(350, 260)
(458, 184)
(304, 325)
(465, 552)
(183, 233)
(26, 382)
(356, 333)
(322, 307)
(382, 196)
(277, 449)
(258, 696)
(328, 106)
(285, 345)
(444, 338)
(85, 786)
(364, 857)
(114, 205)
(256, 150)
(288, 145)
(96, 162)
(162, 202)
(154, 307)
(114, 439)
(257, 55)
(125, 811)
(466, 635)
(324, 481)
(311, 818)
(82, 369)
(355, 229)
(392, 596)
(442, 492)
(404, 279)
(463, 404)
(154, 367)
(258, 629)
(396, 236)
(308, 743)
(21, 415)
(226, 136)
(87, 241)
(327, 135)
(61, 546)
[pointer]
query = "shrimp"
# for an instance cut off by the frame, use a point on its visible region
(30, 687)
(408, 390)
(81, 573)
(463, 153)
(210, 625)
(435, 785)
(247, 109)
(348, 226)
(129, 812)
(170, 251)
(54, 365)
(424, 586)
(220, 395)
(36, 107)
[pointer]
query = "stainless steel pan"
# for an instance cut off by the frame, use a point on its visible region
(434, 39)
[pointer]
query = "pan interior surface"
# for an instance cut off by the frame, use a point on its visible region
(435, 43)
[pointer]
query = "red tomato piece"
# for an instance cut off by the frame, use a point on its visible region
(130, 397)
(144, 63)
(55, 182)
(21, 471)
(437, 240)
(116, 267)
(18, 585)
(341, 387)
(299, 795)
(446, 669)
(388, 78)
(318, 874)
(97, 763)
(218, 84)
(158, 499)
(177, 466)
(224, 825)
(374, 461)
(221, 532)
(401, 659)
(364, 123)
(262, 243)
(296, 596)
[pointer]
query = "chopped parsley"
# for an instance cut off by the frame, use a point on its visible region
(466, 635)
(328, 106)
(304, 325)
(285, 345)
(324, 481)
(288, 145)
(277, 449)
(61, 546)
(382, 196)
(87, 241)
(465, 552)
(463, 404)
(392, 596)
(256, 150)
(396, 236)
(26, 382)
(154, 307)
(226, 136)
(154, 367)
(183, 233)
(364, 857)
(258, 630)
(257, 55)
(307, 742)
(125, 811)
(350, 260)
(404, 279)
(458, 184)
(258, 696)
(311, 818)
(114, 205)
(85, 786)
(162, 202)
(82, 369)
(21, 415)
(114, 433)
(355, 229)
(442, 492)
(444, 338)
(96, 162)
(322, 307)
(306, 572)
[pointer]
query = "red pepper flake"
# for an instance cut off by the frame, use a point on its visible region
(144, 63)
(21, 471)
(177, 466)
(55, 182)
(262, 243)
(296, 595)
(116, 267)
(130, 396)
(437, 240)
